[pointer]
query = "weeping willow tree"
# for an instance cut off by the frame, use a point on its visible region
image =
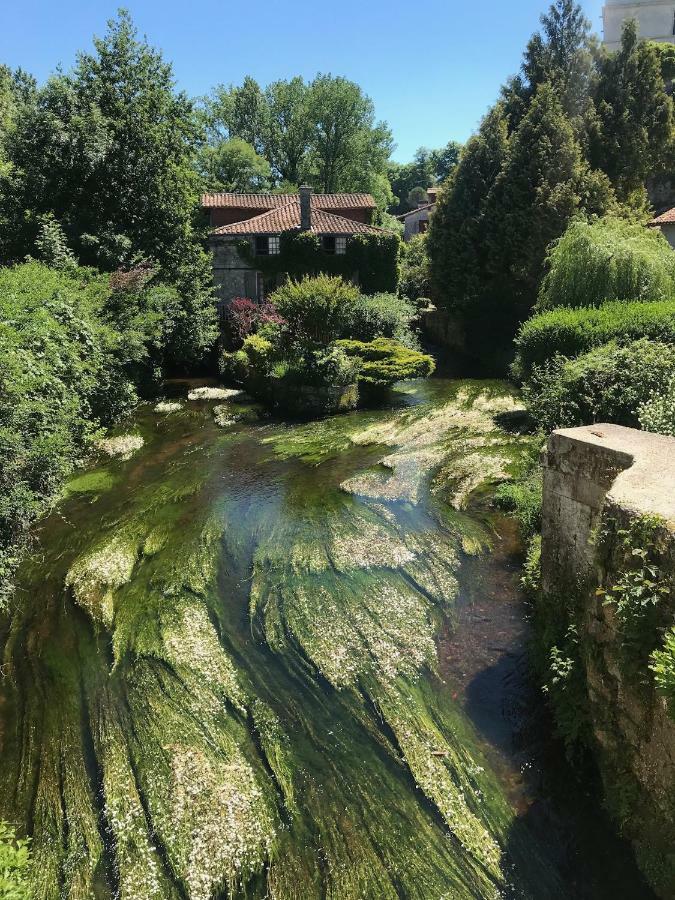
(610, 259)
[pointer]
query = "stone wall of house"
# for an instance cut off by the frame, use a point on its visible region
(232, 275)
(597, 481)
(442, 329)
(415, 223)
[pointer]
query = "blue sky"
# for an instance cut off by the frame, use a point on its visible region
(432, 67)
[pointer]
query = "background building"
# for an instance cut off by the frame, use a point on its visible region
(656, 20)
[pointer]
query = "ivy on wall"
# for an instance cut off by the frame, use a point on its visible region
(372, 259)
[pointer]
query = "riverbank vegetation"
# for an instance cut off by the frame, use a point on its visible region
(322, 345)
(79, 349)
(572, 139)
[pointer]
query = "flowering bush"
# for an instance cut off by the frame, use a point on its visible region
(246, 316)
(658, 413)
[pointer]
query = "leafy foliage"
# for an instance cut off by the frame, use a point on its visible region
(658, 412)
(544, 183)
(663, 667)
(454, 240)
(558, 54)
(608, 384)
(610, 259)
(14, 865)
(328, 336)
(641, 589)
(415, 280)
(383, 362)
(323, 132)
(246, 316)
(232, 165)
(107, 151)
(633, 131)
(76, 353)
(428, 167)
(316, 310)
(570, 332)
(373, 257)
(522, 498)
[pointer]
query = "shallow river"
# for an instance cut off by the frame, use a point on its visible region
(288, 661)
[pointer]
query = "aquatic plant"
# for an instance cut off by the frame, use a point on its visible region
(223, 677)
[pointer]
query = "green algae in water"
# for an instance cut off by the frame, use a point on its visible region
(223, 671)
(90, 483)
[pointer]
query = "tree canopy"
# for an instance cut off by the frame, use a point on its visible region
(107, 150)
(575, 135)
(323, 132)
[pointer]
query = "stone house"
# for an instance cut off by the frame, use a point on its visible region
(666, 222)
(260, 219)
(416, 221)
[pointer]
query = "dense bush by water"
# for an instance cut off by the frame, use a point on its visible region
(570, 332)
(327, 339)
(609, 384)
(78, 349)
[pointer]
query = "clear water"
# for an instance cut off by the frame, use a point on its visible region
(287, 660)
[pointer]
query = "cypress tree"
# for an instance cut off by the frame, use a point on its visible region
(634, 131)
(544, 184)
(455, 235)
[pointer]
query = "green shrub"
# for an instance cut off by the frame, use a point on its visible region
(383, 361)
(317, 310)
(570, 332)
(640, 592)
(329, 336)
(663, 667)
(522, 499)
(415, 281)
(610, 259)
(608, 384)
(331, 367)
(14, 866)
(382, 315)
(76, 352)
(657, 414)
(531, 577)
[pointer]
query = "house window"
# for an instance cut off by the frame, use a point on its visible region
(329, 243)
(273, 245)
(341, 245)
(423, 225)
(262, 246)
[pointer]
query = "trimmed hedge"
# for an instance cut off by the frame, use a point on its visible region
(570, 332)
(383, 362)
(608, 384)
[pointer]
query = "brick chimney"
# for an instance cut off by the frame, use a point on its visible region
(305, 207)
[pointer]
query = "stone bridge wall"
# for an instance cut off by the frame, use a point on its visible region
(594, 476)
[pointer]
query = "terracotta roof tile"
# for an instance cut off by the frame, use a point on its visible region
(273, 201)
(287, 217)
(666, 218)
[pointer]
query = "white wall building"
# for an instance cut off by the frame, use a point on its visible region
(656, 20)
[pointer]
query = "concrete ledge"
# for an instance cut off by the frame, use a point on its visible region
(635, 468)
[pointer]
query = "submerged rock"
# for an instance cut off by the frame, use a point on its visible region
(123, 446)
(214, 393)
(168, 406)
